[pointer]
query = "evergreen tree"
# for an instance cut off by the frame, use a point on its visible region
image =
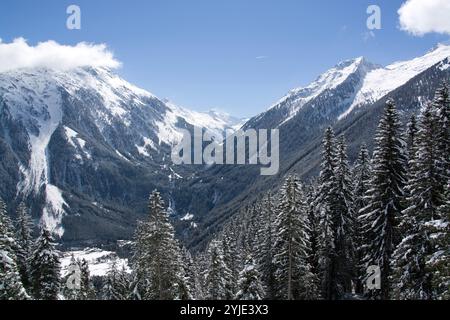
(45, 268)
(24, 227)
(87, 291)
(230, 257)
(192, 272)
(324, 205)
(11, 286)
(158, 268)
(249, 284)
(116, 286)
(293, 272)
(385, 198)
(265, 247)
(362, 174)
(217, 273)
(343, 219)
(314, 234)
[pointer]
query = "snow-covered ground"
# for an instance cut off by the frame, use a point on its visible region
(99, 260)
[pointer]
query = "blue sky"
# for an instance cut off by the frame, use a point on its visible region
(238, 56)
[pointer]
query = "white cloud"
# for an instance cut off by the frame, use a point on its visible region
(50, 54)
(419, 17)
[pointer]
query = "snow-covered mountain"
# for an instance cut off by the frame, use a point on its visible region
(58, 124)
(356, 82)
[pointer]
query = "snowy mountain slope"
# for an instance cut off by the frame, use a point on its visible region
(369, 82)
(380, 82)
(299, 97)
(83, 120)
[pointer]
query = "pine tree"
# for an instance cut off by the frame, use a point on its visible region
(293, 272)
(24, 227)
(45, 268)
(324, 205)
(361, 174)
(11, 286)
(191, 270)
(249, 284)
(343, 219)
(385, 198)
(217, 273)
(87, 291)
(265, 247)
(230, 254)
(314, 234)
(158, 268)
(116, 285)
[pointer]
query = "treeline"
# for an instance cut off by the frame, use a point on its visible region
(389, 211)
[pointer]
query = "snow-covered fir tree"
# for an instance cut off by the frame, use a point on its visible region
(324, 206)
(230, 257)
(385, 198)
(217, 273)
(361, 175)
(192, 274)
(265, 246)
(24, 236)
(157, 259)
(293, 272)
(343, 219)
(116, 284)
(87, 291)
(45, 268)
(249, 283)
(11, 286)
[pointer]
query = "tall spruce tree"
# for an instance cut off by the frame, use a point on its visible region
(217, 273)
(158, 257)
(192, 273)
(116, 283)
(362, 174)
(385, 198)
(265, 247)
(87, 291)
(314, 233)
(45, 268)
(324, 203)
(293, 272)
(343, 220)
(11, 286)
(24, 231)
